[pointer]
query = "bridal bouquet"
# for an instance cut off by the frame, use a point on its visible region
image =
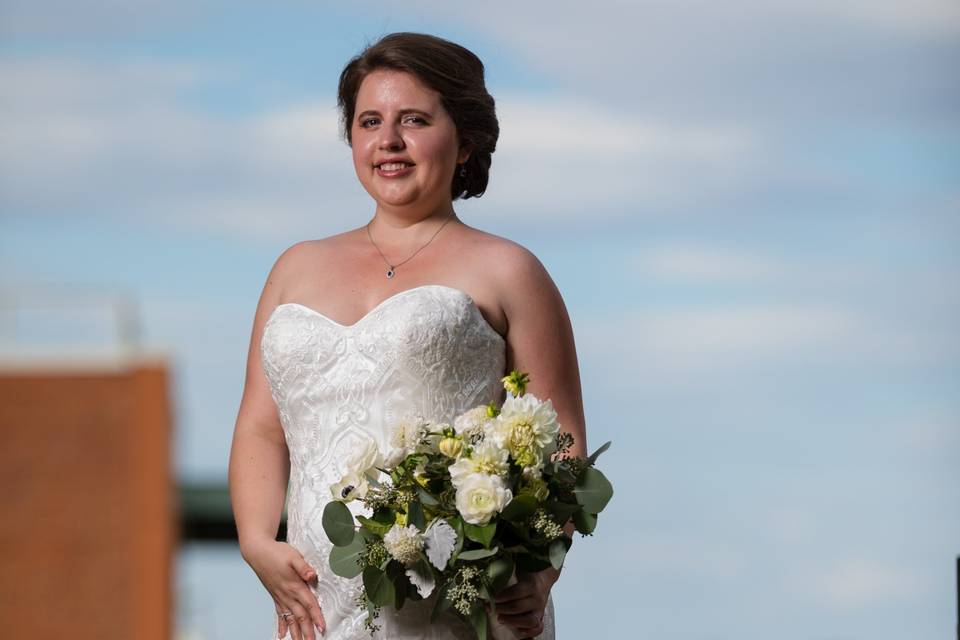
(455, 510)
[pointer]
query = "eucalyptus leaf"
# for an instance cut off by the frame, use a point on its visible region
(596, 454)
(585, 522)
(338, 523)
(593, 490)
(345, 561)
(379, 587)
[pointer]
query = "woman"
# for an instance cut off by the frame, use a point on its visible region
(413, 312)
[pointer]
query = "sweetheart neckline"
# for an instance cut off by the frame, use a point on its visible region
(389, 298)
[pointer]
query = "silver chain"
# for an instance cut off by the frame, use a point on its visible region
(392, 268)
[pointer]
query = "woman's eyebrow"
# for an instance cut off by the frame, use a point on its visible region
(403, 112)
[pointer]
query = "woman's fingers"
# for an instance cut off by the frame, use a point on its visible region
(525, 625)
(521, 605)
(304, 570)
(281, 621)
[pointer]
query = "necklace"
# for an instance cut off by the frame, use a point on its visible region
(392, 268)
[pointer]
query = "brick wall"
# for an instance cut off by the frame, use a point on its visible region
(87, 505)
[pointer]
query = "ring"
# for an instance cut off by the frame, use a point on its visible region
(286, 614)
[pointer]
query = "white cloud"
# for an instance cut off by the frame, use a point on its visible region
(859, 582)
(116, 141)
(695, 263)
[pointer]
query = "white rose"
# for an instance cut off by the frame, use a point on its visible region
(364, 457)
(480, 496)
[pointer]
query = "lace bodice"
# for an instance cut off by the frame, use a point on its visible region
(425, 350)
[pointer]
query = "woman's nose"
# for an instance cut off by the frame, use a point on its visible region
(390, 137)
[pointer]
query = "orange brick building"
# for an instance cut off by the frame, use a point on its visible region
(88, 526)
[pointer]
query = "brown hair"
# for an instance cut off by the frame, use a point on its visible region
(452, 71)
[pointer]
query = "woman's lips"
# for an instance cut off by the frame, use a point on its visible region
(394, 169)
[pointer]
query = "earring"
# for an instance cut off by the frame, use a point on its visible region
(463, 170)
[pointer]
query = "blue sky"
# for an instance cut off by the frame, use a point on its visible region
(751, 209)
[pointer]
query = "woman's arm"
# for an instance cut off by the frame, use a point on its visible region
(540, 343)
(259, 460)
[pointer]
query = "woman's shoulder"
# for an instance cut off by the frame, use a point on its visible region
(508, 260)
(310, 255)
(317, 249)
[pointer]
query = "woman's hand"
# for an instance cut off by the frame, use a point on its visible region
(285, 574)
(521, 606)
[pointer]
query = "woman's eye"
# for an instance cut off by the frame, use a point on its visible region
(368, 122)
(414, 120)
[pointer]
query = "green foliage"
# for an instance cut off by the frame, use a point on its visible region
(345, 561)
(415, 515)
(499, 571)
(585, 522)
(338, 523)
(477, 554)
(481, 533)
(442, 602)
(478, 620)
(596, 454)
(379, 587)
(519, 509)
(593, 490)
(373, 526)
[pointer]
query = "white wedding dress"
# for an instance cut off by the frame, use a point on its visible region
(425, 350)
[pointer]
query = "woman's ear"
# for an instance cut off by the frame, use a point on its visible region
(464, 154)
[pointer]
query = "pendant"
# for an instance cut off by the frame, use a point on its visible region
(390, 272)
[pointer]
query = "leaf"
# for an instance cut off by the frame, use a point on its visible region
(562, 511)
(373, 526)
(426, 498)
(345, 561)
(480, 533)
(558, 551)
(596, 454)
(415, 515)
(421, 577)
(477, 554)
(478, 620)
(378, 586)
(585, 522)
(498, 572)
(442, 603)
(520, 508)
(593, 490)
(457, 525)
(338, 523)
(439, 542)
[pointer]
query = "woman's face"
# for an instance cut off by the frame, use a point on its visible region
(405, 146)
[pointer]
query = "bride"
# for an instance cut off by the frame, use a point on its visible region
(414, 312)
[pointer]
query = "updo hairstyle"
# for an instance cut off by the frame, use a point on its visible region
(452, 71)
